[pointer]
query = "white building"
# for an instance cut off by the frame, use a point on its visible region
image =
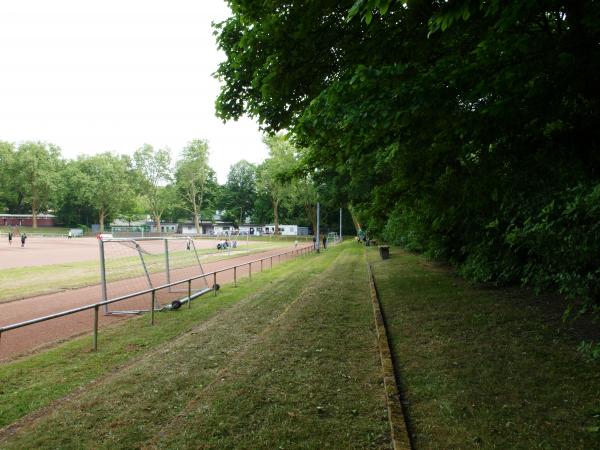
(224, 228)
(164, 227)
(287, 230)
(206, 228)
(252, 229)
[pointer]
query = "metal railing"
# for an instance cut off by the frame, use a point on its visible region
(96, 306)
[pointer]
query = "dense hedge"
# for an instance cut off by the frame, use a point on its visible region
(464, 129)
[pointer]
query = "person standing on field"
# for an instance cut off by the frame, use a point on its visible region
(324, 242)
(23, 239)
(10, 237)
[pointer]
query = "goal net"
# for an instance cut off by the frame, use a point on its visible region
(130, 265)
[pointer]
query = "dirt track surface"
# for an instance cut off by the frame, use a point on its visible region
(40, 251)
(24, 340)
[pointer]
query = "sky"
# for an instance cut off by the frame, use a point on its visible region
(112, 75)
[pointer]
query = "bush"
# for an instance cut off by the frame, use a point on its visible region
(562, 246)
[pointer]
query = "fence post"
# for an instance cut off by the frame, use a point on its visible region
(96, 328)
(250, 270)
(235, 276)
(189, 293)
(152, 307)
(215, 283)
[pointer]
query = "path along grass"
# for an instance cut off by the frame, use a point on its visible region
(483, 368)
(289, 359)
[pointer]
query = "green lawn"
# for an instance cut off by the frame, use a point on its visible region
(38, 230)
(287, 360)
(485, 368)
(24, 282)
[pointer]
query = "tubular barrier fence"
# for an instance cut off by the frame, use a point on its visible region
(96, 306)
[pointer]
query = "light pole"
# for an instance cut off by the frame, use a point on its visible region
(340, 225)
(318, 247)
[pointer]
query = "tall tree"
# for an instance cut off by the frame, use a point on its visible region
(193, 176)
(239, 192)
(105, 182)
(73, 206)
(273, 173)
(7, 151)
(36, 167)
(305, 193)
(461, 128)
(154, 167)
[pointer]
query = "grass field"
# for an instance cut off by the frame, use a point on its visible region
(286, 360)
(485, 368)
(24, 282)
(289, 360)
(39, 230)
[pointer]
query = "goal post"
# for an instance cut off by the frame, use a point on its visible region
(136, 264)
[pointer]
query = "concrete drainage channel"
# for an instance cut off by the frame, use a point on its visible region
(397, 414)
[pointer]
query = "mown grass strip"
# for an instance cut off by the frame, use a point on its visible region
(33, 382)
(483, 368)
(295, 365)
(313, 381)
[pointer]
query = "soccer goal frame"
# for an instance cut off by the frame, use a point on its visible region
(179, 286)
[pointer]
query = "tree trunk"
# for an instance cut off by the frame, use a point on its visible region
(198, 213)
(101, 219)
(33, 213)
(354, 218)
(276, 215)
(196, 221)
(157, 219)
(311, 213)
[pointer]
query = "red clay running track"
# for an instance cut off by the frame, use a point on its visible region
(24, 340)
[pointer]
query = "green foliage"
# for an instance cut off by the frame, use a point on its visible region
(103, 182)
(590, 350)
(238, 195)
(7, 150)
(560, 245)
(154, 170)
(463, 129)
(73, 207)
(272, 175)
(33, 176)
(196, 181)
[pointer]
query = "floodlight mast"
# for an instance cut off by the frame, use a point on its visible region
(340, 224)
(317, 243)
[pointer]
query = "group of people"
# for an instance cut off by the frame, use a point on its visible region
(225, 244)
(10, 238)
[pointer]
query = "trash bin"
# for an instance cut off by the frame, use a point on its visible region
(384, 251)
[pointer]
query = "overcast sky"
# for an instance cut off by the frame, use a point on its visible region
(112, 75)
